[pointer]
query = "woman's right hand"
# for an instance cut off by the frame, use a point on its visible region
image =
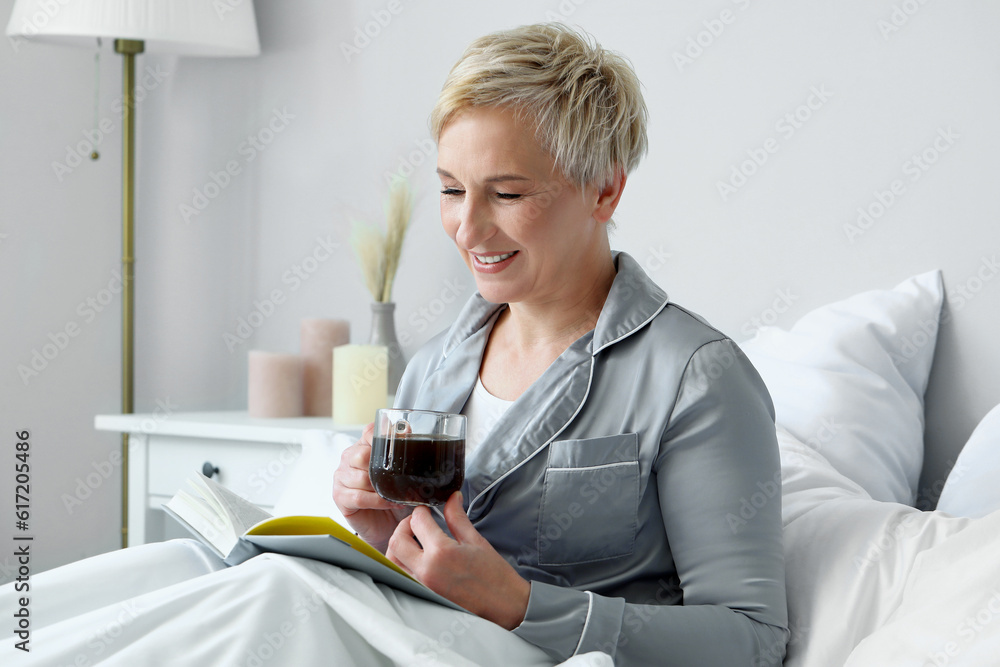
(372, 516)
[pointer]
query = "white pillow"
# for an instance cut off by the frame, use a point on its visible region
(848, 379)
(848, 558)
(973, 485)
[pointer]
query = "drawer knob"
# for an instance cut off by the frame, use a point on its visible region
(208, 470)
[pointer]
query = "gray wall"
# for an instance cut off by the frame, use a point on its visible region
(347, 118)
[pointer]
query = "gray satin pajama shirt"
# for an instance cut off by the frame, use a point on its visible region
(635, 484)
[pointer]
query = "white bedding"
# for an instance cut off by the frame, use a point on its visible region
(879, 584)
(172, 604)
(872, 581)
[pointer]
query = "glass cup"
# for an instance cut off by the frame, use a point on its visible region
(418, 456)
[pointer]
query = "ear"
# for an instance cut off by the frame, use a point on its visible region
(609, 196)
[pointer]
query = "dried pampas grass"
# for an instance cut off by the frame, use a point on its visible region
(379, 254)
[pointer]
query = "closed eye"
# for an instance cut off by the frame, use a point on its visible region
(508, 195)
(451, 191)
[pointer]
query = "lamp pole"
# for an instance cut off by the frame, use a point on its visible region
(128, 48)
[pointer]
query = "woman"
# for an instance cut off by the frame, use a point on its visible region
(613, 508)
(607, 508)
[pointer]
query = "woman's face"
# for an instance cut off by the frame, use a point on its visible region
(526, 233)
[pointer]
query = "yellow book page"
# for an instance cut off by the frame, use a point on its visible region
(322, 525)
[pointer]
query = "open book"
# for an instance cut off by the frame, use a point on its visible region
(238, 530)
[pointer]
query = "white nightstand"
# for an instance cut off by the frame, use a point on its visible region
(253, 458)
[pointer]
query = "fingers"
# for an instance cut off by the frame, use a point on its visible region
(352, 487)
(358, 455)
(352, 500)
(458, 521)
(403, 549)
(427, 532)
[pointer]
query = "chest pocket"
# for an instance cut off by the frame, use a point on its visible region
(590, 500)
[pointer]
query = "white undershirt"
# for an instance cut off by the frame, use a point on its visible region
(483, 410)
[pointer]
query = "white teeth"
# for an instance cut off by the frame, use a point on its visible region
(494, 258)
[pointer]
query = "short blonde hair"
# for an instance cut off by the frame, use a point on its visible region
(584, 100)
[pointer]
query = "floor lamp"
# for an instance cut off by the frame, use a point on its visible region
(182, 27)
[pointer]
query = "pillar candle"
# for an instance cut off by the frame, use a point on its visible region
(317, 338)
(360, 382)
(274, 387)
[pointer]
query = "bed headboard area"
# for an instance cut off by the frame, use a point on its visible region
(809, 153)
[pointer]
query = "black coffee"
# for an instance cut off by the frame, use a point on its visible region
(420, 469)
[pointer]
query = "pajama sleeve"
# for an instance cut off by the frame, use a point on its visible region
(717, 475)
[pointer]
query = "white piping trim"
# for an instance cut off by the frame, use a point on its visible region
(635, 328)
(603, 465)
(590, 608)
(590, 381)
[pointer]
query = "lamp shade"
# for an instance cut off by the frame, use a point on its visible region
(183, 27)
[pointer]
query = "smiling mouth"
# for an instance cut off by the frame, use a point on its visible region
(494, 259)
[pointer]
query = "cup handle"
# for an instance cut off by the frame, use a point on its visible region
(399, 428)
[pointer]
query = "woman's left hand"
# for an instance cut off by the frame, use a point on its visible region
(467, 569)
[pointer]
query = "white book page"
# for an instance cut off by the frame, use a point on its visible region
(240, 513)
(203, 518)
(216, 513)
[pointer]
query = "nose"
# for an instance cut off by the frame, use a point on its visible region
(475, 224)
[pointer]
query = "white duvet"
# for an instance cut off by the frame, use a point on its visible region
(174, 604)
(879, 584)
